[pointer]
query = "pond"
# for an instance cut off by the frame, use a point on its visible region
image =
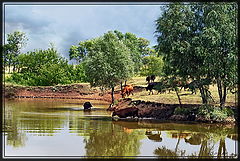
(60, 128)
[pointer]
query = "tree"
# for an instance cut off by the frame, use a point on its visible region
(108, 62)
(219, 41)
(136, 46)
(152, 65)
(193, 44)
(16, 41)
(42, 67)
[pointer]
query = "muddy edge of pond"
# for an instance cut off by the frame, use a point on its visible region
(163, 111)
(148, 109)
(74, 91)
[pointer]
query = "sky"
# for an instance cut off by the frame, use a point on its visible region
(66, 25)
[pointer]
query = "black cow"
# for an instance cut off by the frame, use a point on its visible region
(153, 77)
(148, 79)
(159, 86)
(87, 106)
(123, 113)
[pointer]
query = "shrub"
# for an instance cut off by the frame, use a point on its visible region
(182, 111)
(214, 113)
(46, 68)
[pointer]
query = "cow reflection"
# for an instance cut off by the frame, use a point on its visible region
(195, 139)
(181, 135)
(154, 135)
(233, 136)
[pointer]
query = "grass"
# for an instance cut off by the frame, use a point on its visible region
(171, 98)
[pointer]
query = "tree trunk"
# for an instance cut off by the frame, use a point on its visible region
(14, 67)
(9, 66)
(204, 150)
(223, 100)
(222, 148)
(121, 85)
(203, 95)
(219, 85)
(176, 148)
(179, 99)
(112, 95)
(222, 93)
(125, 82)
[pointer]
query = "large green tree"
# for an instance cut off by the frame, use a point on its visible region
(198, 42)
(136, 45)
(108, 62)
(11, 50)
(219, 42)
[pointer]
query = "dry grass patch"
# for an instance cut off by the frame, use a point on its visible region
(172, 97)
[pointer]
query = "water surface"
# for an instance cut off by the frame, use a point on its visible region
(60, 128)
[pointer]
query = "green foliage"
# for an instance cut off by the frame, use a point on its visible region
(43, 68)
(137, 48)
(78, 73)
(228, 111)
(214, 113)
(199, 41)
(152, 65)
(182, 111)
(108, 61)
(11, 50)
(207, 111)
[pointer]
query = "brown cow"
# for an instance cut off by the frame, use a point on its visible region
(123, 113)
(127, 90)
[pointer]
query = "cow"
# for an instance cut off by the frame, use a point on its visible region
(127, 90)
(150, 79)
(159, 86)
(153, 77)
(87, 106)
(126, 112)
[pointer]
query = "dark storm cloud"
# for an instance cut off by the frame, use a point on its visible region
(26, 18)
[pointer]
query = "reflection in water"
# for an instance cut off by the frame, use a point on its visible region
(154, 135)
(109, 141)
(42, 121)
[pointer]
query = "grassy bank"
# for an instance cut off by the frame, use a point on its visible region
(171, 98)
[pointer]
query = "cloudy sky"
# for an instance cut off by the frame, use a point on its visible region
(66, 25)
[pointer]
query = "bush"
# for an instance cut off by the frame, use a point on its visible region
(182, 111)
(46, 68)
(214, 113)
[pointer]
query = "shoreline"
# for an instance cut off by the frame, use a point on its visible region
(147, 109)
(166, 112)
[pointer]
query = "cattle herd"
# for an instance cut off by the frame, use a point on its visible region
(163, 86)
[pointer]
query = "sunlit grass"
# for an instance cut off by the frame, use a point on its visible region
(172, 97)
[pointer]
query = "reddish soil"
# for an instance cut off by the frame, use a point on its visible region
(76, 91)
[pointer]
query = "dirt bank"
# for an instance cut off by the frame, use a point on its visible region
(74, 91)
(163, 111)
